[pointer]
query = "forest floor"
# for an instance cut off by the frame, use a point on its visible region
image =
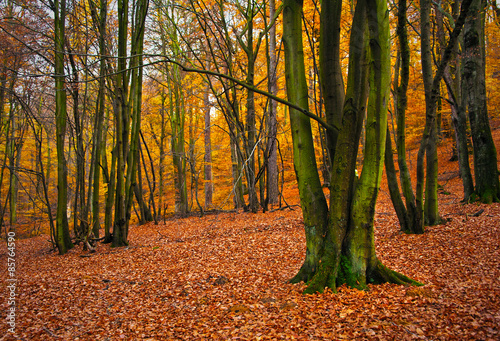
(225, 277)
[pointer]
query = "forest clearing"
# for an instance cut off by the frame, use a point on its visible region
(224, 277)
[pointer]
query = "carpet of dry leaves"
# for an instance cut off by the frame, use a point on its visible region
(224, 277)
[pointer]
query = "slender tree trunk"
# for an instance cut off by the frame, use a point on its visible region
(12, 149)
(428, 146)
(150, 216)
(178, 152)
(111, 185)
(392, 183)
(272, 162)
(207, 158)
(135, 103)
(238, 200)
(431, 85)
(163, 136)
(80, 216)
(414, 219)
(100, 23)
(253, 201)
(63, 240)
(121, 128)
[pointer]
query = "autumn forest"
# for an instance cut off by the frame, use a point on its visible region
(320, 139)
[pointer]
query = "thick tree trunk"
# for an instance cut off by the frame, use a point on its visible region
(344, 163)
(485, 155)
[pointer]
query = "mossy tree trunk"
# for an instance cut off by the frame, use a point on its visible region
(485, 155)
(312, 199)
(340, 241)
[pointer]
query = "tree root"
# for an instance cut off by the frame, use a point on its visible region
(382, 274)
(325, 277)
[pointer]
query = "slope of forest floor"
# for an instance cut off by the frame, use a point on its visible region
(225, 277)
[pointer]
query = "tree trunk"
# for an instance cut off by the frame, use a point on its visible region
(100, 24)
(163, 137)
(272, 161)
(63, 240)
(238, 200)
(250, 145)
(178, 152)
(331, 77)
(13, 150)
(459, 120)
(474, 61)
(415, 222)
(428, 146)
(121, 128)
(207, 158)
(392, 183)
(312, 199)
